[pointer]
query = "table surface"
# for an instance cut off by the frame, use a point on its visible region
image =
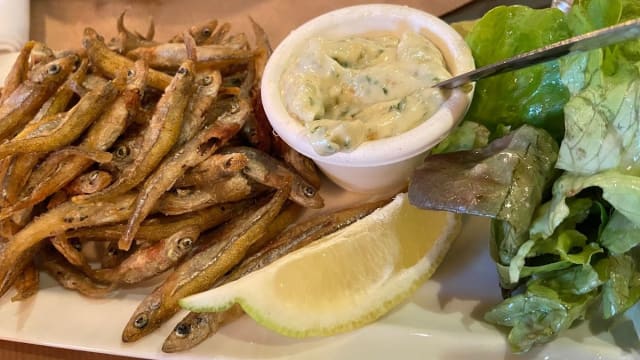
(60, 25)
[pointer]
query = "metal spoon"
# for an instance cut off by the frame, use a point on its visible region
(593, 40)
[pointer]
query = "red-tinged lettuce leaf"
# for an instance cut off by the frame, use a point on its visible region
(504, 181)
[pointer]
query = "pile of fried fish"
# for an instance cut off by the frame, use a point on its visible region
(130, 158)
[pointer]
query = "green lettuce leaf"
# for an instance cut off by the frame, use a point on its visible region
(620, 235)
(620, 190)
(467, 136)
(548, 307)
(622, 288)
(609, 112)
(567, 245)
(534, 95)
(601, 118)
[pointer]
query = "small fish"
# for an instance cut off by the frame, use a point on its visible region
(63, 217)
(200, 33)
(89, 183)
(147, 262)
(71, 278)
(111, 63)
(27, 284)
(160, 228)
(169, 56)
(201, 270)
(197, 327)
(70, 250)
(207, 86)
(25, 101)
(183, 201)
(215, 168)
(19, 71)
(269, 171)
(79, 118)
(127, 40)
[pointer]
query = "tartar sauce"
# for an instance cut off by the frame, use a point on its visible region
(347, 91)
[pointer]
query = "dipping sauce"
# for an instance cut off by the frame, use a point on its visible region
(350, 90)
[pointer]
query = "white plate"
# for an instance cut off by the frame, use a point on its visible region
(443, 320)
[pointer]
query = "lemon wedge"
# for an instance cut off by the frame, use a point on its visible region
(345, 280)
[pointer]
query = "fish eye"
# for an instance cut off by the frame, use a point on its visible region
(207, 80)
(183, 71)
(141, 321)
(131, 73)
(309, 191)
(185, 242)
(122, 152)
(182, 329)
(76, 244)
(206, 32)
(53, 69)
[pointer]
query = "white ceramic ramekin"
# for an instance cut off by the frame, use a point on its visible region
(377, 166)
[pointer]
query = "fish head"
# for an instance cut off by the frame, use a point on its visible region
(137, 76)
(54, 72)
(90, 38)
(202, 33)
(308, 193)
(208, 82)
(143, 321)
(182, 242)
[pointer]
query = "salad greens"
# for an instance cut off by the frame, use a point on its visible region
(566, 216)
(534, 95)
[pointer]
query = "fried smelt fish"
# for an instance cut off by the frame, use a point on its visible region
(271, 172)
(219, 35)
(182, 201)
(63, 217)
(113, 256)
(149, 261)
(200, 33)
(193, 152)
(203, 269)
(127, 40)
(70, 277)
(215, 168)
(197, 327)
(160, 136)
(169, 56)
(70, 250)
(79, 118)
(160, 228)
(207, 86)
(25, 101)
(304, 166)
(19, 71)
(89, 183)
(27, 284)
(111, 63)
(22, 165)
